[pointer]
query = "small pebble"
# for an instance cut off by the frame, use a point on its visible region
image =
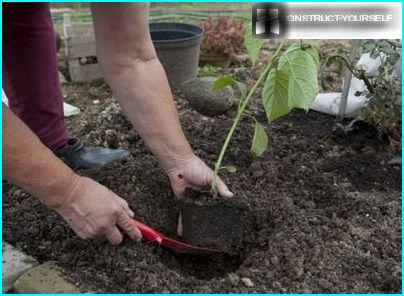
(96, 102)
(247, 282)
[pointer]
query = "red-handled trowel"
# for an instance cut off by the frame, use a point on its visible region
(152, 236)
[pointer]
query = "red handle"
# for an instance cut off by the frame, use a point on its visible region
(149, 235)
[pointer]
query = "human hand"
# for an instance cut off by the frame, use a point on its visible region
(194, 173)
(92, 210)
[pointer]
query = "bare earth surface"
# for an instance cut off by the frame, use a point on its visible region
(326, 208)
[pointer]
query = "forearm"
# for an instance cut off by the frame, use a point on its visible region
(146, 99)
(31, 165)
(138, 80)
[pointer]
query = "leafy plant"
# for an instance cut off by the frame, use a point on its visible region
(290, 81)
(207, 70)
(223, 36)
(383, 90)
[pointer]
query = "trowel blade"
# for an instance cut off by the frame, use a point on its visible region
(152, 236)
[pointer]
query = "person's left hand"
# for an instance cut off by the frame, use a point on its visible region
(192, 172)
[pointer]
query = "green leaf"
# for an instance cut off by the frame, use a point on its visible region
(275, 94)
(228, 80)
(242, 87)
(307, 48)
(302, 71)
(223, 81)
(260, 140)
(293, 84)
(252, 44)
(314, 54)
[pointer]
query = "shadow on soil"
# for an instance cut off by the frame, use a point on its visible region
(202, 267)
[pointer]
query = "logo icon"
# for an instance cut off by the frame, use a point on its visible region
(268, 20)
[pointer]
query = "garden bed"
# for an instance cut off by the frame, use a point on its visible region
(326, 208)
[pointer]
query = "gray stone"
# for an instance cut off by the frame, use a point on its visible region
(45, 278)
(15, 263)
(247, 282)
(203, 98)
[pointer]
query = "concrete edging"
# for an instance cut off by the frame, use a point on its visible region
(15, 263)
(23, 274)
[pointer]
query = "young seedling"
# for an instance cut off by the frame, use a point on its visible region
(290, 82)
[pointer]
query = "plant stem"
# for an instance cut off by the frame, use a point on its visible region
(358, 74)
(239, 115)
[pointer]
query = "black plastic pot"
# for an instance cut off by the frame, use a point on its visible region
(177, 47)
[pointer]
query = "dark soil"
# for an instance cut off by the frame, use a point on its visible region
(213, 222)
(325, 209)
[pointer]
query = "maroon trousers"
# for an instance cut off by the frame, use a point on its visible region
(30, 71)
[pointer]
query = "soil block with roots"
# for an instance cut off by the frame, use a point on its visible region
(213, 221)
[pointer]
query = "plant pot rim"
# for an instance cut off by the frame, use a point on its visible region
(195, 31)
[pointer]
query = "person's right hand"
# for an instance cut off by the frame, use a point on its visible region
(92, 210)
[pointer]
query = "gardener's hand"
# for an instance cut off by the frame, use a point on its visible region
(194, 173)
(92, 210)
